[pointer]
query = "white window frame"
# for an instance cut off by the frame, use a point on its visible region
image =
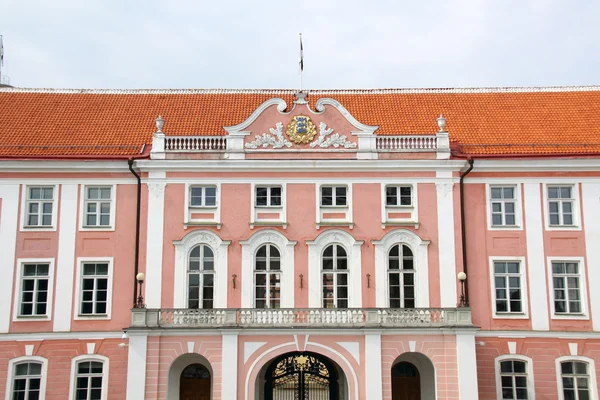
(584, 315)
(79, 276)
(204, 187)
(17, 299)
(529, 370)
(202, 274)
(576, 208)
(524, 292)
(281, 210)
(401, 272)
(346, 209)
(269, 188)
(21, 360)
(398, 197)
(183, 248)
(334, 186)
(413, 209)
(286, 253)
(94, 358)
(188, 209)
(591, 370)
(267, 272)
(335, 272)
(518, 207)
(25, 203)
(82, 207)
(315, 280)
(420, 264)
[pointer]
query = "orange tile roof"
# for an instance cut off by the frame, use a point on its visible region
(47, 122)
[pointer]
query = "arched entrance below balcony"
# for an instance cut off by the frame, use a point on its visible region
(301, 376)
(190, 378)
(413, 378)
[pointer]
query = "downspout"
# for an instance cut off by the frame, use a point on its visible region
(462, 227)
(137, 229)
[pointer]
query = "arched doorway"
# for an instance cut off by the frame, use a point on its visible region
(413, 377)
(302, 376)
(406, 382)
(194, 383)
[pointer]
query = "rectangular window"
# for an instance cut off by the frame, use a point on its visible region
(34, 290)
(398, 196)
(560, 205)
(88, 380)
(507, 279)
(566, 281)
(334, 196)
(94, 289)
(27, 381)
(513, 377)
(268, 196)
(575, 380)
(503, 205)
(39, 206)
(97, 205)
(203, 196)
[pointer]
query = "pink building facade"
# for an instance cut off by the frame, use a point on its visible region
(301, 251)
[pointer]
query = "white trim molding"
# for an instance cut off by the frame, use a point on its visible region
(229, 365)
(373, 373)
(446, 244)
(183, 248)
(26, 359)
(154, 243)
(93, 358)
(325, 101)
(346, 209)
(77, 295)
(9, 213)
(239, 128)
(529, 368)
(419, 248)
(24, 201)
(189, 211)
(591, 370)
(518, 207)
(536, 264)
(315, 251)
(281, 210)
(467, 365)
(413, 209)
(583, 289)
(524, 314)
(286, 249)
(591, 207)
(19, 287)
(136, 366)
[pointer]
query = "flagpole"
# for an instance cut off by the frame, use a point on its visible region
(301, 62)
(1, 57)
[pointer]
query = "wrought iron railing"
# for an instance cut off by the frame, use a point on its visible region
(301, 317)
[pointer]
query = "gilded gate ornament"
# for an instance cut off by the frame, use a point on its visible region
(301, 130)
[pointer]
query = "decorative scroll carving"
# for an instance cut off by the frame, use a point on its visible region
(157, 189)
(275, 139)
(328, 138)
(444, 189)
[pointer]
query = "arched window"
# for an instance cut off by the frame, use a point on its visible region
(88, 379)
(201, 270)
(513, 378)
(335, 277)
(575, 378)
(267, 277)
(401, 277)
(27, 379)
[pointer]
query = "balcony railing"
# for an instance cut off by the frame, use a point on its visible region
(406, 143)
(301, 317)
(195, 143)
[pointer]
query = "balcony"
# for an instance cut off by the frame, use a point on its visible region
(301, 318)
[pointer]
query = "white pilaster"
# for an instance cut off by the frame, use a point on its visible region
(229, 365)
(8, 239)
(591, 212)
(154, 243)
(65, 264)
(535, 257)
(373, 376)
(467, 366)
(136, 366)
(446, 244)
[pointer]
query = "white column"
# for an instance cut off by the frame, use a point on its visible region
(446, 244)
(538, 294)
(154, 243)
(229, 365)
(591, 212)
(136, 366)
(467, 366)
(373, 378)
(65, 264)
(9, 219)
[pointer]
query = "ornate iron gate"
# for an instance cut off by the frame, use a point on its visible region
(300, 376)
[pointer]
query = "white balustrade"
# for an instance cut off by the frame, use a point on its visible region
(406, 143)
(195, 143)
(301, 317)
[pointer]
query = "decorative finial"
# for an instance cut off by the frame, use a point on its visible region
(160, 122)
(301, 98)
(442, 123)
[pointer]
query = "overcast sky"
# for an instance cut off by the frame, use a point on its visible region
(254, 44)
